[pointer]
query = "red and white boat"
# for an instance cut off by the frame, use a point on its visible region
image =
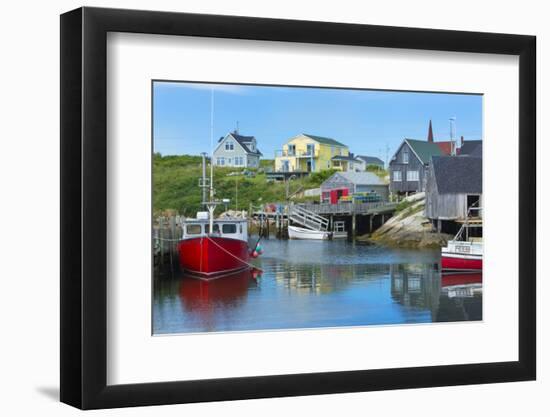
(212, 255)
(464, 253)
(212, 248)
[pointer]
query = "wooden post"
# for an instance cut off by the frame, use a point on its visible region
(371, 218)
(161, 239)
(172, 245)
(353, 226)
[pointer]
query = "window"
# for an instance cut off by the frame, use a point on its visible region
(216, 228)
(193, 229)
(229, 161)
(239, 161)
(397, 175)
(229, 228)
(412, 175)
(229, 146)
(405, 156)
(221, 161)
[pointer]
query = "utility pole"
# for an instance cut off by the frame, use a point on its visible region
(204, 183)
(452, 121)
(236, 192)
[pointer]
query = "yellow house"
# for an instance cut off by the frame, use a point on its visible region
(310, 153)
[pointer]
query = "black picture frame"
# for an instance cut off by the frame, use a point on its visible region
(84, 207)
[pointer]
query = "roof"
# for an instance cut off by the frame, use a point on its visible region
(446, 147)
(477, 152)
(469, 146)
(371, 160)
(458, 174)
(343, 158)
(244, 141)
(424, 150)
(324, 140)
(361, 178)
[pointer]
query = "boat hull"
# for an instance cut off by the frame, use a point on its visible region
(210, 256)
(460, 262)
(301, 233)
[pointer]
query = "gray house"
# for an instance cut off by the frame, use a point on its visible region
(353, 182)
(236, 150)
(454, 185)
(409, 165)
(371, 160)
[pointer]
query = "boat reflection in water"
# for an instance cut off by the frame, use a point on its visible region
(206, 295)
(448, 296)
(310, 284)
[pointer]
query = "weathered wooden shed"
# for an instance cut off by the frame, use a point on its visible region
(356, 182)
(454, 184)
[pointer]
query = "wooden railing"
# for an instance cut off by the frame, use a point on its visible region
(350, 208)
(307, 218)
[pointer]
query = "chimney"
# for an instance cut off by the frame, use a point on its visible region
(461, 141)
(430, 133)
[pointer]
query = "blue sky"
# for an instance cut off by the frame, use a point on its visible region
(367, 121)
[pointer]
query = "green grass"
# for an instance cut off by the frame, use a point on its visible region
(375, 169)
(175, 186)
(402, 205)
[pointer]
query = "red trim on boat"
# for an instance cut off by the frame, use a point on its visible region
(459, 263)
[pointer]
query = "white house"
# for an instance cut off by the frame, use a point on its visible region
(236, 150)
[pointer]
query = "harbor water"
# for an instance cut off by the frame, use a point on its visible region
(315, 284)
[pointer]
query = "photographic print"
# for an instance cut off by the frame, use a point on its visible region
(284, 207)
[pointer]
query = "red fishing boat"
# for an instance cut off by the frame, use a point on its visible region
(209, 247)
(465, 251)
(222, 252)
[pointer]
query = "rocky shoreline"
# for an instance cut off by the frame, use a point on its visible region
(408, 228)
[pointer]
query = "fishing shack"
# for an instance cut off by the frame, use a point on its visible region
(453, 191)
(344, 185)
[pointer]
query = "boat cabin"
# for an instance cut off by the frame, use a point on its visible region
(232, 228)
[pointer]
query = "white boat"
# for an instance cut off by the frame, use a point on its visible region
(464, 253)
(301, 233)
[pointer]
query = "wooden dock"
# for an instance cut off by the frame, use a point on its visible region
(359, 218)
(166, 234)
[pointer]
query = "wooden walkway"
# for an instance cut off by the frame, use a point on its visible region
(350, 208)
(357, 215)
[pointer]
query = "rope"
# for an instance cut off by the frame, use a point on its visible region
(229, 253)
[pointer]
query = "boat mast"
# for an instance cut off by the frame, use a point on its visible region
(211, 204)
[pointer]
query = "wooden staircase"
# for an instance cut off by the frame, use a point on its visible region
(307, 219)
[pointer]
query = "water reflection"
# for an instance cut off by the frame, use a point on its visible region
(448, 297)
(319, 284)
(225, 292)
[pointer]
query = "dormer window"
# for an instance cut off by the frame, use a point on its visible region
(229, 145)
